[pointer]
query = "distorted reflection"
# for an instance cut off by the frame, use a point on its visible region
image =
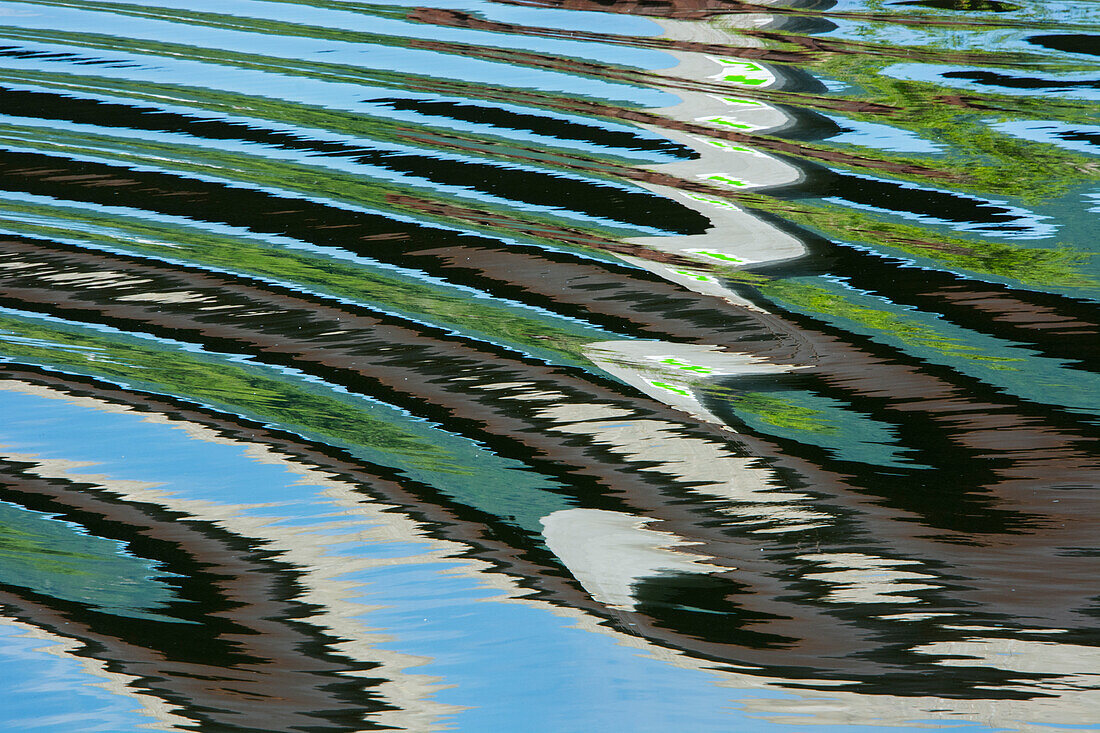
(557, 365)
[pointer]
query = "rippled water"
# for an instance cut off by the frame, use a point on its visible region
(549, 365)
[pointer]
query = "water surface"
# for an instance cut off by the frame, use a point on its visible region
(548, 366)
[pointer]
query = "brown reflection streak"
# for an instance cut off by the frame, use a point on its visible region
(806, 655)
(701, 9)
(1025, 316)
(1035, 462)
(416, 366)
(646, 305)
(815, 46)
(272, 323)
(370, 480)
(458, 19)
(275, 686)
(627, 75)
(482, 218)
(823, 646)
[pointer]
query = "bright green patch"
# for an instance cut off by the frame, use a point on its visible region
(58, 559)
(740, 79)
(687, 367)
(725, 179)
(695, 276)
(728, 146)
(672, 388)
(720, 256)
(727, 122)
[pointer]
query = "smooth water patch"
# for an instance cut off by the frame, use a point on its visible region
(808, 417)
(878, 136)
(60, 559)
(82, 694)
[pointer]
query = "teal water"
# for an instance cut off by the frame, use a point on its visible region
(551, 366)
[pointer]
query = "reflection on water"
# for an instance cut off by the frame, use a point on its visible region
(549, 365)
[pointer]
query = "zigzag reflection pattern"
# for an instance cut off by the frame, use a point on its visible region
(753, 342)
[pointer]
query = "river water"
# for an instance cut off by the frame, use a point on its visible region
(549, 365)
